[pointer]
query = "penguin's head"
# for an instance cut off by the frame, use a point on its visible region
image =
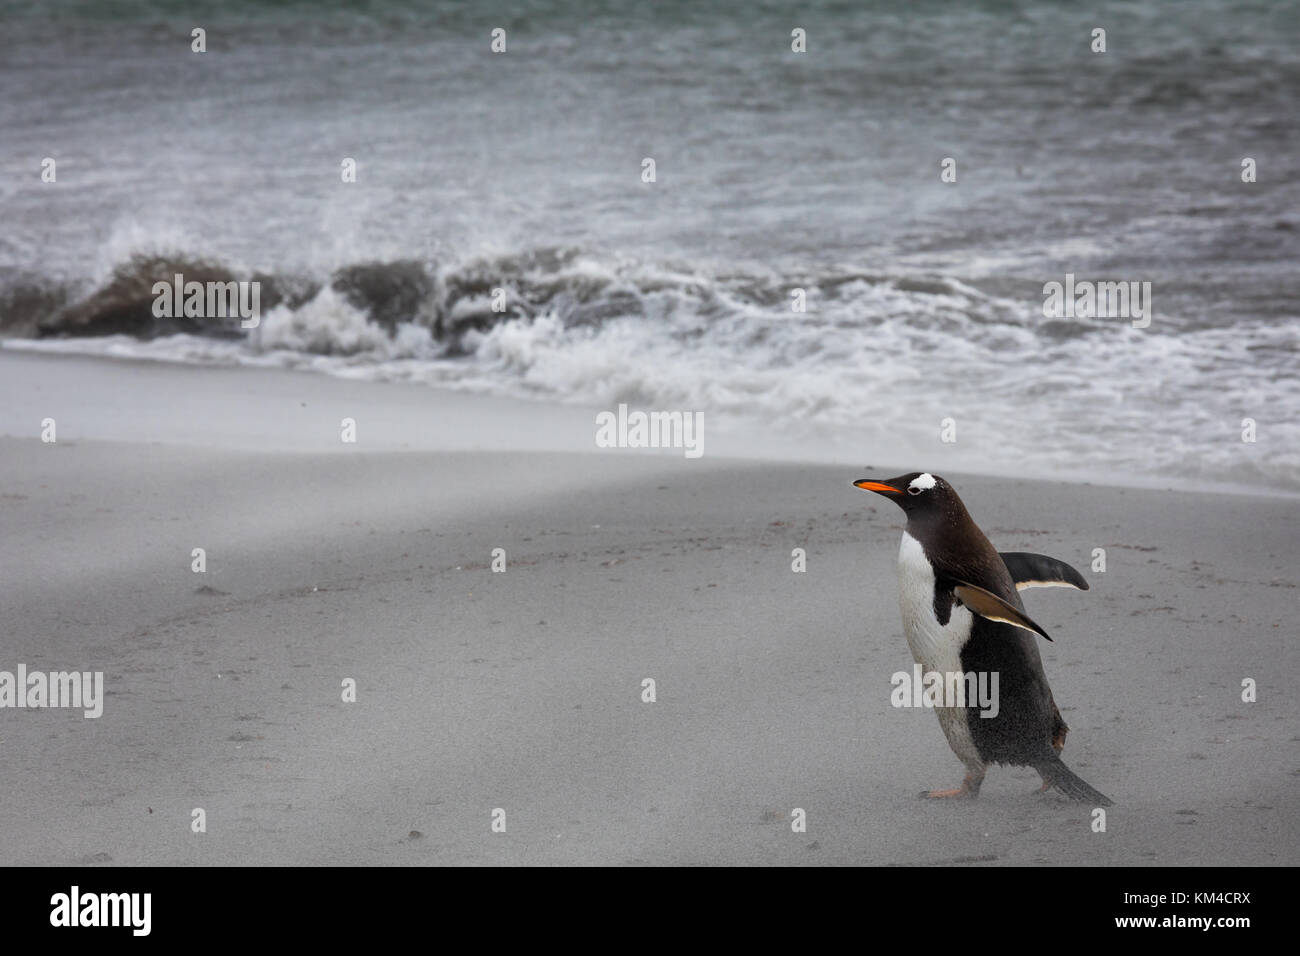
(918, 492)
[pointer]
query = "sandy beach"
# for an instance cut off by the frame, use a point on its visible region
(522, 690)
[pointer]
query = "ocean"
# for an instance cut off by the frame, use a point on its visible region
(780, 178)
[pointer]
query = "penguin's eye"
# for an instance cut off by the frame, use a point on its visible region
(921, 483)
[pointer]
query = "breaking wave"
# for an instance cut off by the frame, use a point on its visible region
(874, 355)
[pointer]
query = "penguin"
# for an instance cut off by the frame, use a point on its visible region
(962, 613)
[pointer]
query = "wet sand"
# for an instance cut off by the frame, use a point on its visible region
(522, 690)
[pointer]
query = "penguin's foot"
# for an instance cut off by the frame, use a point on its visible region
(1047, 785)
(961, 793)
(969, 790)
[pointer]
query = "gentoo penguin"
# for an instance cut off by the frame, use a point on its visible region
(962, 613)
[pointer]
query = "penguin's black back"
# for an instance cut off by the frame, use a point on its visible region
(1022, 731)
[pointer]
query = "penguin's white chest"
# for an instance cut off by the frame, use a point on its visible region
(936, 647)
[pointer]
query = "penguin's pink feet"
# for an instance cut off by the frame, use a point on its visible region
(961, 793)
(969, 790)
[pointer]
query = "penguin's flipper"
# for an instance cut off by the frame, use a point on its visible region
(989, 605)
(1039, 571)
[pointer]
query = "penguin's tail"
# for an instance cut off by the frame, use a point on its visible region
(1061, 777)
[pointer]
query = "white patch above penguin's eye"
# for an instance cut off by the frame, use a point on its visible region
(921, 483)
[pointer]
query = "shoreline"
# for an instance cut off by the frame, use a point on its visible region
(463, 420)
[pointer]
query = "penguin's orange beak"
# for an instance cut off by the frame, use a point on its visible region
(877, 486)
